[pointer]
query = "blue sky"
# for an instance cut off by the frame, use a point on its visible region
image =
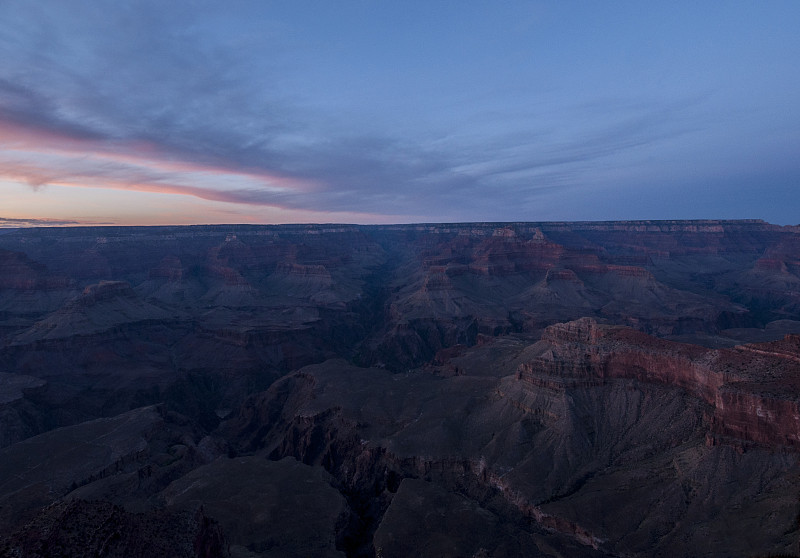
(376, 111)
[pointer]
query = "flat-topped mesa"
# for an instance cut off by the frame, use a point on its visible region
(583, 330)
(673, 225)
(568, 355)
(752, 389)
(559, 274)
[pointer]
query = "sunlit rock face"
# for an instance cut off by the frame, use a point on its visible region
(480, 389)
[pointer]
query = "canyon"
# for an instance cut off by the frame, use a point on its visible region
(468, 389)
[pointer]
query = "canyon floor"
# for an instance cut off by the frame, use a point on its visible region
(479, 390)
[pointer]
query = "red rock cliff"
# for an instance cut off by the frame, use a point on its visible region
(752, 389)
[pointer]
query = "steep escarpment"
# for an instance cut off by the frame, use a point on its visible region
(751, 389)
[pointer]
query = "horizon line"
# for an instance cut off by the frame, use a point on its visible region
(74, 225)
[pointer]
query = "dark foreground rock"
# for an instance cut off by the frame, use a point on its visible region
(80, 529)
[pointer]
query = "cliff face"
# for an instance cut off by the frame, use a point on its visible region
(750, 389)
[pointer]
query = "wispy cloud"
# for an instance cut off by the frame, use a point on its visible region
(6, 223)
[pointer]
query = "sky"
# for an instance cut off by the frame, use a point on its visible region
(378, 111)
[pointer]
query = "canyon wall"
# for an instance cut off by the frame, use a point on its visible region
(481, 389)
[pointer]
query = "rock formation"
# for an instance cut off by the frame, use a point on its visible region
(479, 389)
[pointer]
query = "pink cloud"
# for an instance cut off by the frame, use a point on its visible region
(30, 151)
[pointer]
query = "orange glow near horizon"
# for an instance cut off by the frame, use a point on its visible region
(98, 205)
(52, 177)
(62, 176)
(26, 152)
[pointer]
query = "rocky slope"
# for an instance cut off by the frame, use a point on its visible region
(576, 457)
(78, 529)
